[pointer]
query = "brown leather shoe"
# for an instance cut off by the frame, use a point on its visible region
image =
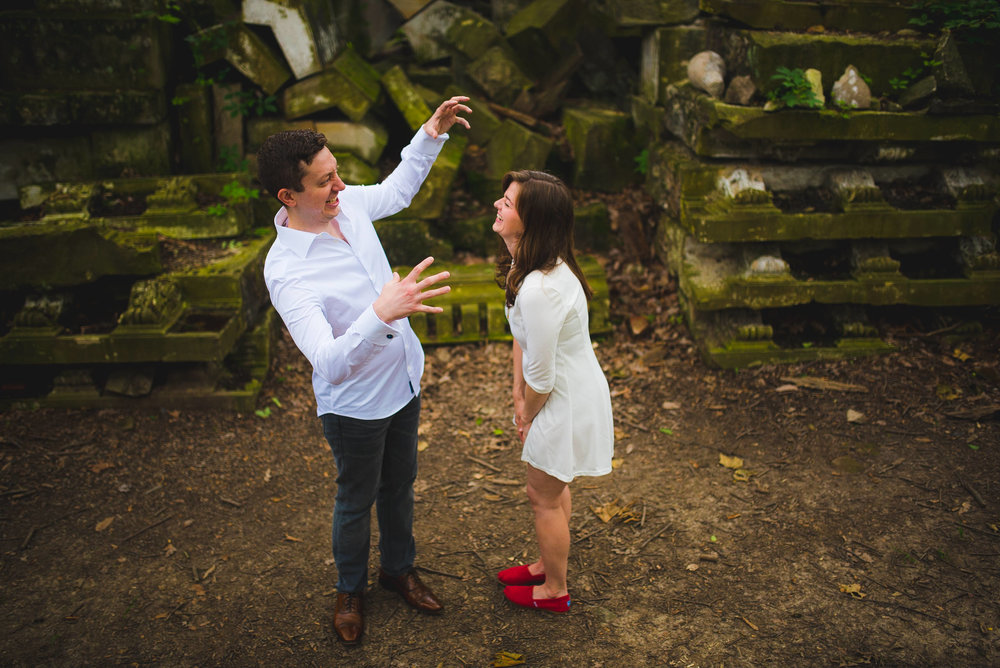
(349, 617)
(415, 592)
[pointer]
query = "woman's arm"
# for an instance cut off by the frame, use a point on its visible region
(527, 402)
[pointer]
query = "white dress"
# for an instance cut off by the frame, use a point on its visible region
(573, 434)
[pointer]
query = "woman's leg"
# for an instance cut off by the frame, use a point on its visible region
(550, 500)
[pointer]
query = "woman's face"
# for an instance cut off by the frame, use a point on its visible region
(508, 224)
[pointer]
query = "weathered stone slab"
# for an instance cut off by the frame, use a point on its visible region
(350, 84)
(259, 129)
(515, 147)
(854, 15)
(431, 200)
(245, 51)
(228, 135)
(408, 241)
(640, 13)
(473, 309)
(740, 338)
(760, 54)
(483, 121)
(41, 160)
(195, 128)
(716, 276)
(304, 30)
(405, 96)
(355, 171)
(94, 51)
(75, 253)
(82, 107)
(604, 147)
(366, 139)
(713, 128)
(688, 190)
(665, 52)
(427, 32)
(143, 150)
(409, 7)
(542, 30)
(497, 73)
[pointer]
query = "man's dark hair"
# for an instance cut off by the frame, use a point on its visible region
(284, 157)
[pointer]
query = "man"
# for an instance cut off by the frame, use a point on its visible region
(331, 283)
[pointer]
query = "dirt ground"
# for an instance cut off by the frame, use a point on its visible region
(863, 527)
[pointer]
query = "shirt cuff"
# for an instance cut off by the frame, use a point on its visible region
(372, 329)
(424, 143)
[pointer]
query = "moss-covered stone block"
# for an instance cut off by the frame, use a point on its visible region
(474, 308)
(259, 129)
(431, 201)
(473, 235)
(665, 52)
(592, 229)
(542, 30)
(639, 13)
(722, 276)
(405, 97)
(407, 241)
(82, 107)
(27, 162)
(87, 50)
(799, 15)
(355, 171)
(879, 59)
(497, 73)
(712, 128)
(138, 150)
(350, 84)
(74, 254)
(483, 121)
(196, 128)
(246, 52)
(471, 34)
(304, 30)
(366, 139)
(604, 147)
(515, 147)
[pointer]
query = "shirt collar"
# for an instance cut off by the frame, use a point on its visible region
(297, 241)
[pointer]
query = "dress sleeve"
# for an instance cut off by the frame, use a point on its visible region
(543, 310)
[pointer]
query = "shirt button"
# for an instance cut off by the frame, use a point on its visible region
(388, 336)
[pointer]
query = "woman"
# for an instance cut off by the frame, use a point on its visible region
(562, 404)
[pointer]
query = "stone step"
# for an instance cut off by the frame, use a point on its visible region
(231, 384)
(962, 271)
(754, 201)
(191, 315)
(740, 338)
(194, 206)
(474, 309)
(714, 129)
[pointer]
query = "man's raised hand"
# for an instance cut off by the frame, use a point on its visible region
(446, 115)
(402, 297)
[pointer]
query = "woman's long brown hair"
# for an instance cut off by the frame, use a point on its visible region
(545, 207)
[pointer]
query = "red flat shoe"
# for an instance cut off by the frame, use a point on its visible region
(520, 575)
(523, 596)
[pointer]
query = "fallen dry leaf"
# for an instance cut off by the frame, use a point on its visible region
(104, 524)
(853, 589)
(730, 462)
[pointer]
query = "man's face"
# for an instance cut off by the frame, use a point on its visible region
(320, 188)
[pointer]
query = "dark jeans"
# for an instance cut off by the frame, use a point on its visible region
(376, 464)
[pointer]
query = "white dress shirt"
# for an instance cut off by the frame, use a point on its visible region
(323, 289)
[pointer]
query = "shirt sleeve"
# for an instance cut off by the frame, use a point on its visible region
(542, 311)
(399, 188)
(334, 358)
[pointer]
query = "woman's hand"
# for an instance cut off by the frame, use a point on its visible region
(523, 425)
